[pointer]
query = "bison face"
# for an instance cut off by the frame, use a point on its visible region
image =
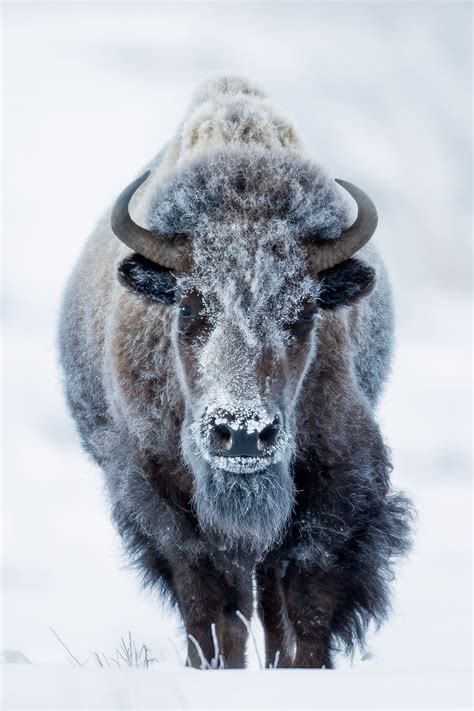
(247, 264)
(245, 334)
(241, 369)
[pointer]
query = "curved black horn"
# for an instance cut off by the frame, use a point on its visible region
(171, 252)
(337, 250)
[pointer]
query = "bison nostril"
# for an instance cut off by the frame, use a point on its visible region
(223, 435)
(269, 433)
(230, 437)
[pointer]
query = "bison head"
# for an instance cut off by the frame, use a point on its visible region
(247, 246)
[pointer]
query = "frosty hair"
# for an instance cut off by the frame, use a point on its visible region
(253, 184)
(235, 180)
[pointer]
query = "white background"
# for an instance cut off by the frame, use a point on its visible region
(380, 93)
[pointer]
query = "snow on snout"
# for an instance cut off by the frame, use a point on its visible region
(252, 418)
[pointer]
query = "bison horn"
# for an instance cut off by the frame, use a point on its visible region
(332, 252)
(170, 252)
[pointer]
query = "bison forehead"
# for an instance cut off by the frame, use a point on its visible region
(246, 212)
(251, 296)
(248, 184)
(257, 286)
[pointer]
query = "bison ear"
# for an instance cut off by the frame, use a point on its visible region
(345, 283)
(147, 279)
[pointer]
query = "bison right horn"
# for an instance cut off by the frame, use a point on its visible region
(169, 252)
(331, 252)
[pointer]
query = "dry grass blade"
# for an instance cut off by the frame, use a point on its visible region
(204, 663)
(246, 623)
(98, 660)
(215, 661)
(275, 661)
(127, 653)
(71, 655)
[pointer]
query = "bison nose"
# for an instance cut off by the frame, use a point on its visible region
(229, 441)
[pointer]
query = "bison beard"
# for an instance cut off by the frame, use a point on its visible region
(249, 509)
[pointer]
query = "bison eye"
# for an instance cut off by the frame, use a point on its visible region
(301, 327)
(309, 313)
(186, 311)
(190, 306)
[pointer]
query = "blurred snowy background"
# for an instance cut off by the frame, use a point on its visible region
(381, 95)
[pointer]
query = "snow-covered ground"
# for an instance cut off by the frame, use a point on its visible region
(381, 94)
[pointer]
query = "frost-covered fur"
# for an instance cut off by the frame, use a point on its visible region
(247, 209)
(319, 521)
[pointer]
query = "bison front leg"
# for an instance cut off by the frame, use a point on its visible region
(274, 617)
(311, 602)
(208, 602)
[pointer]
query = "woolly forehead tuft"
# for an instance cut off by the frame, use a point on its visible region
(248, 185)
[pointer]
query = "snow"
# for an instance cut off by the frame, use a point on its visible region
(381, 95)
(169, 688)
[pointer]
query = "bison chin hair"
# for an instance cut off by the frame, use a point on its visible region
(245, 510)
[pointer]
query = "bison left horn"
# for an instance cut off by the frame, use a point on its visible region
(169, 252)
(324, 255)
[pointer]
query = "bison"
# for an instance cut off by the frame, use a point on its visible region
(223, 364)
